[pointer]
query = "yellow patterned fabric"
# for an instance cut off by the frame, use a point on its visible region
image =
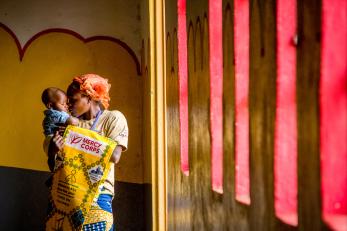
(98, 215)
(76, 181)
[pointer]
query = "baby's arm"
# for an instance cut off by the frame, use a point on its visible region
(72, 121)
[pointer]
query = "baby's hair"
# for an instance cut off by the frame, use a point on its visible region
(47, 94)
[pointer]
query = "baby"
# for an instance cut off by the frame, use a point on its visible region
(56, 114)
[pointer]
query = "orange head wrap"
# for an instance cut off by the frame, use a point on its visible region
(96, 87)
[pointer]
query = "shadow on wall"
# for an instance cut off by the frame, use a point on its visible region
(24, 199)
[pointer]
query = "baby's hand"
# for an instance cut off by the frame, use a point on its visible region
(72, 121)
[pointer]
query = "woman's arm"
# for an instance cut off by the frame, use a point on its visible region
(118, 131)
(117, 152)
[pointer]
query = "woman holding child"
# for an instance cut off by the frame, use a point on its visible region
(88, 100)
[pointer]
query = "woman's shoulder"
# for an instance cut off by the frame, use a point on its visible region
(114, 114)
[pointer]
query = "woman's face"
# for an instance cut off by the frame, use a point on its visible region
(78, 104)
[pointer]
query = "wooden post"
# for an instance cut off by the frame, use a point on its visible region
(158, 113)
(308, 72)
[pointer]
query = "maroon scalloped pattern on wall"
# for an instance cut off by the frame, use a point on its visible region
(21, 50)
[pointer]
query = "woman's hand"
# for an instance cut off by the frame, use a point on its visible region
(57, 142)
(60, 129)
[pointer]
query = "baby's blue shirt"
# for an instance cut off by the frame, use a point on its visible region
(52, 118)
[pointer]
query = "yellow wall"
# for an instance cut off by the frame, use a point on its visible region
(52, 60)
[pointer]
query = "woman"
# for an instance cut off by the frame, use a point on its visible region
(88, 97)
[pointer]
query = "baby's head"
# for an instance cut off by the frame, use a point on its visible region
(54, 98)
